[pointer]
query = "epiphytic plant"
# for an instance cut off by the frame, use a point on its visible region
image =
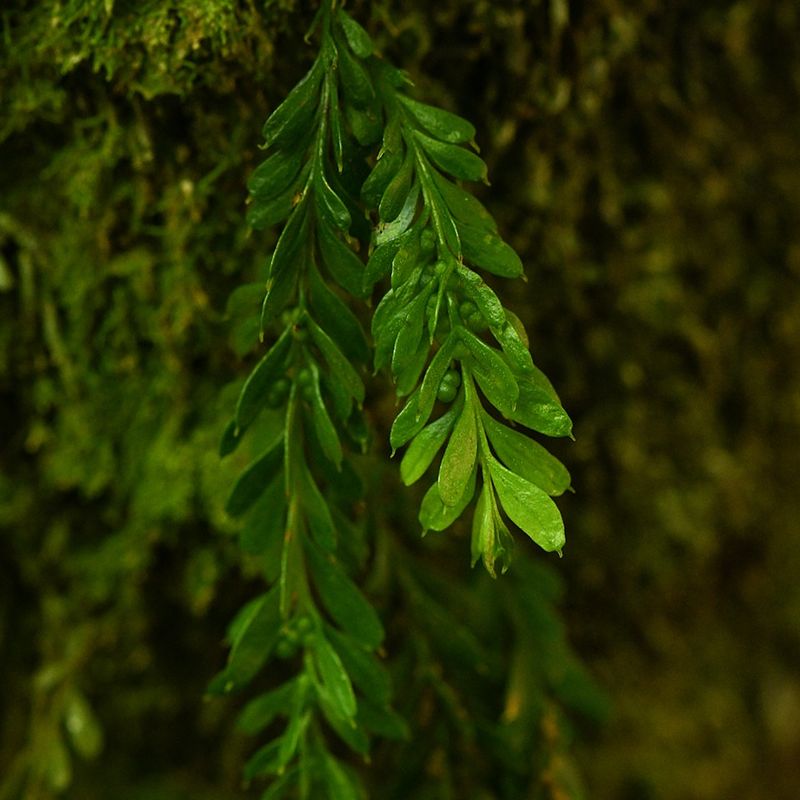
(302, 403)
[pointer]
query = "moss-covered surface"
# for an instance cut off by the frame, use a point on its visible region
(644, 161)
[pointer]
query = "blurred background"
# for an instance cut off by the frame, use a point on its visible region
(645, 162)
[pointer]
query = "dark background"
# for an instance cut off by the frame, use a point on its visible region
(645, 162)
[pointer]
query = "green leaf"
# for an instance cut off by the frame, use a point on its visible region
(366, 124)
(408, 423)
(463, 205)
(407, 259)
(230, 439)
(458, 462)
(343, 264)
(322, 422)
(339, 784)
(317, 512)
(261, 711)
(337, 135)
(435, 515)
(331, 208)
(433, 377)
(354, 80)
(396, 194)
(253, 482)
(263, 530)
(410, 334)
(527, 458)
(263, 214)
(335, 679)
(337, 319)
(265, 761)
(442, 124)
(491, 539)
(378, 180)
(529, 507)
(427, 443)
(257, 386)
(379, 719)
(356, 36)
(291, 118)
(492, 373)
(484, 298)
(276, 175)
(345, 727)
(82, 726)
(487, 250)
(366, 672)
(400, 224)
(537, 410)
(379, 263)
(298, 722)
(256, 636)
(408, 377)
(343, 600)
(284, 266)
(482, 526)
(341, 369)
(514, 345)
(455, 160)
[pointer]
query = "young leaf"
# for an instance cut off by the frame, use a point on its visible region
(427, 443)
(529, 507)
(343, 600)
(456, 161)
(442, 124)
(482, 526)
(526, 458)
(458, 462)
